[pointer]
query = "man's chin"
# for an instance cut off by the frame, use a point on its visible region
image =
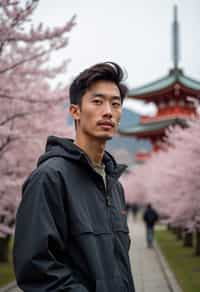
(105, 137)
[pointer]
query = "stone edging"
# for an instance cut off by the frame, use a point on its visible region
(169, 276)
(8, 287)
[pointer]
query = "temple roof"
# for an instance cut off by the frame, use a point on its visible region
(144, 129)
(175, 76)
(160, 87)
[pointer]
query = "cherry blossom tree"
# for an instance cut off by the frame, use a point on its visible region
(31, 109)
(170, 179)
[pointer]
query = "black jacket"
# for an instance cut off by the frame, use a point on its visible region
(71, 233)
(150, 217)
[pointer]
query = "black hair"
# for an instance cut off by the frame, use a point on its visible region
(107, 71)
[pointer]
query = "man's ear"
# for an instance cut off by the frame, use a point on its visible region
(74, 110)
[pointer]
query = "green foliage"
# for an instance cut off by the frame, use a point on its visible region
(6, 270)
(183, 262)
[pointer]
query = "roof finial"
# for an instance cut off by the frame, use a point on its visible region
(175, 29)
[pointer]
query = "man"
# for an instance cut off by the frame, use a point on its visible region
(71, 230)
(150, 218)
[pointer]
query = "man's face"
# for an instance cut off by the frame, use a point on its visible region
(100, 111)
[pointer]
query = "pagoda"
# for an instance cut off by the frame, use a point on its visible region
(174, 95)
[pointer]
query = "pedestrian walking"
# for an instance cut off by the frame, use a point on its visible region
(71, 228)
(135, 210)
(150, 218)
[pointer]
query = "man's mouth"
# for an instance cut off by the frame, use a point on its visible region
(106, 124)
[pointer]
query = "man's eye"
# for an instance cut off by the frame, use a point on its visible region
(97, 101)
(116, 104)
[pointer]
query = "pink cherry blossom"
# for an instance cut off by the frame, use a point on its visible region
(31, 109)
(170, 179)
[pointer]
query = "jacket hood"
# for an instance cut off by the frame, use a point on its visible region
(63, 147)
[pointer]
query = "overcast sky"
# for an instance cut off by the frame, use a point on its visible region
(134, 33)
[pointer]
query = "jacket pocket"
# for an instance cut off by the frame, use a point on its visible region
(93, 252)
(114, 284)
(120, 228)
(80, 228)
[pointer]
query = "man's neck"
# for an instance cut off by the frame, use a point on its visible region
(93, 148)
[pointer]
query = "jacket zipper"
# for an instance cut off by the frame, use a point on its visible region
(109, 204)
(108, 199)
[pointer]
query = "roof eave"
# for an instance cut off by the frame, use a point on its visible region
(165, 84)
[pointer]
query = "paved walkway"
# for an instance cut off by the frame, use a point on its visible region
(147, 272)
(146, 268)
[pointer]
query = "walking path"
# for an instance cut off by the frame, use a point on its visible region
(146, 267)
(147, 271)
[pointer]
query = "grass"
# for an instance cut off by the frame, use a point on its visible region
(183, 262)
(6, 270)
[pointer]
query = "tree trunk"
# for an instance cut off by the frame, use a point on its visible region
(169, 227)
(188, 239)
(4, 249)
(173, 229)
(179, 233)
(197, 247)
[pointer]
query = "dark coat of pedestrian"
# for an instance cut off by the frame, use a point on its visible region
(150, 218)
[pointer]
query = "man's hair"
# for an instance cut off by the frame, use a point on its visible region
(107, 71)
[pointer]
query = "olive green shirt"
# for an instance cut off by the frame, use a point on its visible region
(100, 169)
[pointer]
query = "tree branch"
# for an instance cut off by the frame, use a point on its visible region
(23, 61)
(30, 100)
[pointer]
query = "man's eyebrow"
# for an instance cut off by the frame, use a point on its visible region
(105, 95)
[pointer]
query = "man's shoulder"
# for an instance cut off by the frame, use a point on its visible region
(53, 164)
(50, 168)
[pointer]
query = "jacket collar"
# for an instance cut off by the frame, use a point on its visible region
(63, 147)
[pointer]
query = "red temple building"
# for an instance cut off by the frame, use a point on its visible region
(174, 96)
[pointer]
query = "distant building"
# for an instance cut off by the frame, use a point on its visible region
(174, 96)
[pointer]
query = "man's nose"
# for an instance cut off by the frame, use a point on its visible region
(107, 109)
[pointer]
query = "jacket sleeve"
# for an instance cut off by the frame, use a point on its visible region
(40, 245)
(122, 196)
